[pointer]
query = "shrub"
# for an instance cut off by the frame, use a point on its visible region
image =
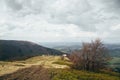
(92, 56)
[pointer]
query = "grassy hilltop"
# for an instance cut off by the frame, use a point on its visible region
(53, 68)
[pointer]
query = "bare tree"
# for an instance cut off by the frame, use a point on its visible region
(92, 56)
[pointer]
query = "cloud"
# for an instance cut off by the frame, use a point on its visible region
(59, 20)
(14, 4)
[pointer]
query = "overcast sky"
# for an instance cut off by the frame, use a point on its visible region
(60, 20)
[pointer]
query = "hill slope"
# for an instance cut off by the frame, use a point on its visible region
(41, 73)
(15, 50)
(31, 73)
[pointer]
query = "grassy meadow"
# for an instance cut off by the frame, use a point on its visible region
(57, 69)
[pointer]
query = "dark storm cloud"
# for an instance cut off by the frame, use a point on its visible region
(14, 4)
(76, 12)
(112, 6)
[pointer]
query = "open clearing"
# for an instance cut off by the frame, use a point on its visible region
(46, 61)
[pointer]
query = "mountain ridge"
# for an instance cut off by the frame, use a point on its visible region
(16, 50)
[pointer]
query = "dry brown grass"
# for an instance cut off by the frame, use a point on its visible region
(31, 73)
(46, 61)
(31, 69)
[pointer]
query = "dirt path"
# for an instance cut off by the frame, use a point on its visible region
(46, 61)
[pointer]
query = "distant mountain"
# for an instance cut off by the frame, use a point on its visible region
(114, 49)
(16, 50)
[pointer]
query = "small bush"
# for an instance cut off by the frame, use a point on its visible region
(92, 56)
